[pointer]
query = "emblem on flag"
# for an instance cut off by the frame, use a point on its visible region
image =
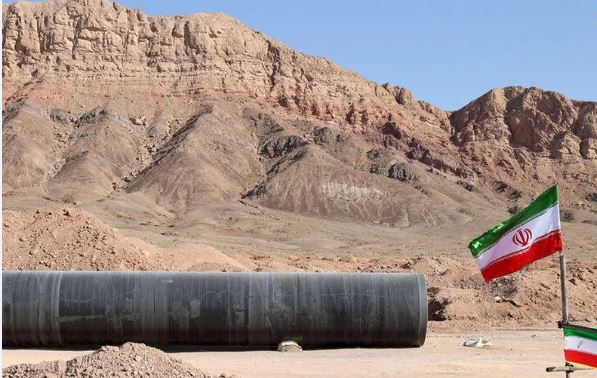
(522, 237)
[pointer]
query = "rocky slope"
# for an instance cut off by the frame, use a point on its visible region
(76, 67)
(166, 118)
(530, 136)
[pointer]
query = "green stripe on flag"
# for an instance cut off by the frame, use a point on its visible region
(546, 200)
(585, 333)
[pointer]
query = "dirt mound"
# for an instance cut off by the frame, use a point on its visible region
(73, 239)
(200, 258)
(128, 360)
(66, 239)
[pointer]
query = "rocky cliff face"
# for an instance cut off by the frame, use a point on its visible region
(542, 122)
(527, 135)
(104, 103)
(91, 40)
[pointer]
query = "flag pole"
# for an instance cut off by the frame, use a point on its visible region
(564, 289)
(565, 313)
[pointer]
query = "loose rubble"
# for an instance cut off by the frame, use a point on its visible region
(128, 360)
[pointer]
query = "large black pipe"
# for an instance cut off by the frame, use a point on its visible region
(42, 308)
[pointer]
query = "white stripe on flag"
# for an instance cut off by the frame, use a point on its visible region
(539, 226)
(581, 344)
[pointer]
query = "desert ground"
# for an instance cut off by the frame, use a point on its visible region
(512, 354)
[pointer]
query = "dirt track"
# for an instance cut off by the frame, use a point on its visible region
(513, 354)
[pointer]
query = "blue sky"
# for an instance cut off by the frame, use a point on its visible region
(446, 52)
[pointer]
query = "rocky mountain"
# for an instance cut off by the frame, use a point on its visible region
(200, 128)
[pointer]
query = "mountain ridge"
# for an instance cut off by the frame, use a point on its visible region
(103, 102)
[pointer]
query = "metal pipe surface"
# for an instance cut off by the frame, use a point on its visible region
(50, 308)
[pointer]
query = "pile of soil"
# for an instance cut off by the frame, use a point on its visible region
(128, 360)
(73, 239)
(70, 239)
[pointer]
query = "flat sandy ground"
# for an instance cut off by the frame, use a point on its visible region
(513, 354)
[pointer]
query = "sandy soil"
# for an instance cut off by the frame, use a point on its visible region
(512, 354)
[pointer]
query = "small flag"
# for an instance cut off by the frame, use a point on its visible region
(530, 235)
(580, 345)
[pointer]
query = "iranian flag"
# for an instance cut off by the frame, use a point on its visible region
(530, 235)
(581, 345)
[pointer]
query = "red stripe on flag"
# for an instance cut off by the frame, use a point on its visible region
(510, 264)
(582, 358)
